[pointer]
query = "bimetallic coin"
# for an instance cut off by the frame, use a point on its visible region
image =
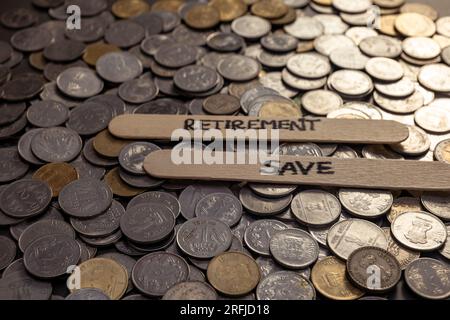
(85, 198)
(294, 248)
(366, 204)
(131, 157)
(258, 234)
(329, 278)
(233, 273)
(429, 278)
(191, 290)
(403, 255)
(346, 236)
(204, 238)
(155, 273)
(285, 285)
(419, 231)
(315, 208)
(438, 203)
(369, 261)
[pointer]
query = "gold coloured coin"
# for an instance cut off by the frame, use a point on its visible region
(37, 60)
(443, 42)
(305, 46)
(324, 2)
(402, 205)
(415, 25)
(237, 89)
(229, 9)
(108, 145)
(274, 109)
(269, 9)
(129, 8)
(202, 16)
(119, 187)
(420, 8)
(288, 18)
(329, 278)
(167, 5)
(387, 25)
(389, 4)
(105, 275)
(57, 175)
(233, 273)
(94, 51)
(403, 255)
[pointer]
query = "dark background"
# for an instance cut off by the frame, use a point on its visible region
(442, 6)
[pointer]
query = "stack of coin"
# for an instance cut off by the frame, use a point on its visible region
(75, 200)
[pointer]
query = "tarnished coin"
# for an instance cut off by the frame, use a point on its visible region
(147, 223)
(221, 104)
(402, 205)
(94, 158)
(93, 30)
(176, 55)
(18, 18)
(195, 78)
(64, 50)
(380, 152)
(56, 175)
(225, 42)
(24, 287)
(79, 83)
(258, 234)
(85, 198)
(102, 225)
(89, 118)
(8, 252)
(351, 82)
(413, 24)
(305, 28)
(381, 46)
(419, 231)
(94, 51)
(366, 261)
(315, 208)
(233, 273)
(51, 256)
(221, 206)
(251, 27)
(309, 65)
(346, 236)
(155, 273)
(300, 149)
(102, 241)
(164, 198)
(294, 248)
(118, 67)
(191, 290)
(24, 87)
(105, 275)
(131, 157)
(119, 187)
(87, 170)
(279, 42)
(429, 278)
(367, 204)
(329, 278)
(263, 206)
(11, 112)
(129, 9)
(31, 39)
(202, 16)
(239, 68)
(272, 190)
(285, 285)
(139, 90)
(403, 255)
(12, 166)
(25, 198)
(108, 145)
(43, 228)
(87, 294)
(229, 9)
(48, 113)
(56, 144)
(417, 143)
(124, 33)
(438, 203)
(204, 237)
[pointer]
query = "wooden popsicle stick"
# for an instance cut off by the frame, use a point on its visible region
(161, 127)
(318, 171)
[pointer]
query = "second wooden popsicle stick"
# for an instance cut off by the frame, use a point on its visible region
(161, 127)
(318, 171)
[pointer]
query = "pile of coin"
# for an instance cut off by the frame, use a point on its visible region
(80, 219)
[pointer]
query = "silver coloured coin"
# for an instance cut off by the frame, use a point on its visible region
(273, 80)
(372, 111)
(272, 190)
(302, 83)
(285, 285)
(350, 6)
(309, 65)
(316, 208)
(349, 58)
(306, 149)
(417, 143)
(279, 42)
(191, 290)
(56, 144)
(239, 68)
(445, 250)
(433, 119)
(438, 203)
(326, 44)
(45, 114)
(305, 28)
(419, 231)
(366, 204)
(139, 90)
(381, 46)
(251, 27)
(384, 69)
(258, 234)
(399, 106)
(294, 248)
(274, 60)
(400, 89)
(435, 77)
(321, 102)
(79, 83)
(345, 152)
(358, 34)
(261, 206)
(221, 206)
(351, 82)
(422, 48)
(332, 24)
(380, 152)
(131, 157)
(24, 147)
(89, 118)
(118, 67)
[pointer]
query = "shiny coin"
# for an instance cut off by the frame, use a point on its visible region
(435, 77)
(348, 235)
(147, 223)
(92, 198)
(132, 156)
(309, 65)
(381, 46)
(263, 206)
(305, 28)
(415, 25)
(352, 6)
(366, 203)
(400, 89)
(191, 290)
(419, 231)
(294, 248)
(51, 256)
(155, 273)
(285, 285)
(348, 58)
(251, 27)
(403, 255)
(315, 208)
(238, 68)
(258, 234)
(105, 275)
(351, 82)
(416, 144)
(118, 67)
(433, 119)
(384, 69)
(362, 260)
(233, 273)
(79, 83)
(321, 102)
(428, 278)
(421, 48)
(329, 278)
